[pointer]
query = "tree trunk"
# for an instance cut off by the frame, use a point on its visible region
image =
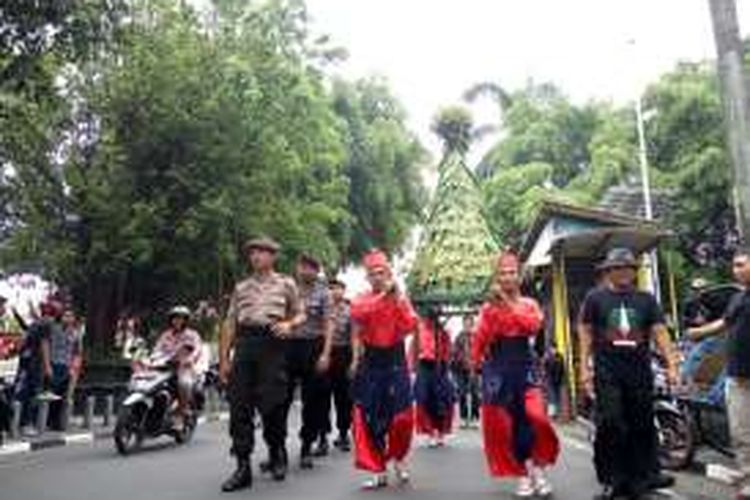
(103, 308)
(736, 101)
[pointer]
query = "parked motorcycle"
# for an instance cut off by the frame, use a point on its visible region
(703, 418)
(674, 427)
(150, 407)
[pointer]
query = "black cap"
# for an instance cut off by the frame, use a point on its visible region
(310, 260)
(618, 257)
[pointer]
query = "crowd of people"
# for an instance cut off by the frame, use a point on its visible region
(49, 354)
(285, 332)
(386, 372)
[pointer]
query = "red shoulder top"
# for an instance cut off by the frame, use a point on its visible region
(383, 320)
(498, 321)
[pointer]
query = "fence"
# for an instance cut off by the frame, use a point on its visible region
(94, 408)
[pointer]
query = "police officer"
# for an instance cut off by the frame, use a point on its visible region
(339, 380)
(309, 354)
(264, 310)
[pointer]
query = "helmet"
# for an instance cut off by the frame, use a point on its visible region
(183, 311)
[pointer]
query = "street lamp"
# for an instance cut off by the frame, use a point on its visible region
(652, 262)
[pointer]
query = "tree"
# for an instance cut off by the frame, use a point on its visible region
(183, 139)
(382, 166)
(687, 151)
(457, 245)
(455, 127)
(551, 148)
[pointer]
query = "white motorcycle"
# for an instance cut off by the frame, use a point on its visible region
(150, 407)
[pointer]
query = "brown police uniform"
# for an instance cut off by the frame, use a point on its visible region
(259, 377)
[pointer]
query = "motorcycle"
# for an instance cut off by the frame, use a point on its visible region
(674, 426)
(150, 407)
(703, 418)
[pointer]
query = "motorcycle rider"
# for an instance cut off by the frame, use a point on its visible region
(184, 346)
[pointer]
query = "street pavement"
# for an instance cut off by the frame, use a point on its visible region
(165, 471)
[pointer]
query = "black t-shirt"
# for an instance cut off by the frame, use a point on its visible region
(621, 321)
(31, 347)
(737, 319)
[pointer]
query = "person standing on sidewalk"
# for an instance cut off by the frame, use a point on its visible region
(466, 381)
(383, 404)
(264, 310)
(35, 364)
(309, 356)
(66, 352)
(616, 326)
(736, 321)
(339, 381)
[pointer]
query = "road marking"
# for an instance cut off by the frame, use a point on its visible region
(577, 444)
(86, 437)
(13, 448)
(670, 494)
(721, 473)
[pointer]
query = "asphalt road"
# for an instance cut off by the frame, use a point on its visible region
(164, 471)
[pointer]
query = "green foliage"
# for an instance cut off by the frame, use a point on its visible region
(176, 142)
(543, 126)
(552, 149)
(456, 249)
(454, 126)
(382, 165)
(687, 150)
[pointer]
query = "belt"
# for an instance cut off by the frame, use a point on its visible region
(260, 331)
(621, 345)
(384, 356)
(515, 349)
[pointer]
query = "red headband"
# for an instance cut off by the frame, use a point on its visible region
(375, 259)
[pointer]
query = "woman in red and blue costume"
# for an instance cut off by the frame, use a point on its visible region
(433, 389)
(383, 403)
(519, 439)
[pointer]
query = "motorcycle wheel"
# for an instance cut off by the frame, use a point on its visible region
(126, 434)
(186, 434)
(676, 439)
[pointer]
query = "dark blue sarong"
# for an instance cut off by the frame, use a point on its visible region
(434, 390)
(507, 373)
(382, 389)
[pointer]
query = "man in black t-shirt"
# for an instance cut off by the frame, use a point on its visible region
(616, 326)
(736, 321)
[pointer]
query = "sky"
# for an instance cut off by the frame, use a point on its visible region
(431, 51)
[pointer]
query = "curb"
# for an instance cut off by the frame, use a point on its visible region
(20, 447)
(581, 430)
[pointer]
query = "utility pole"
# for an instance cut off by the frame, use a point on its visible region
(734, 85)
(651, 259)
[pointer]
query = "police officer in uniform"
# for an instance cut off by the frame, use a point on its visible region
(263, 311)
(309, 354)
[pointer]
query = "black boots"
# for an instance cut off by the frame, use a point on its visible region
(342, 442)
(306, 459)
(321, 450)
(276, 465)
(241, 478)
(279, 464)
